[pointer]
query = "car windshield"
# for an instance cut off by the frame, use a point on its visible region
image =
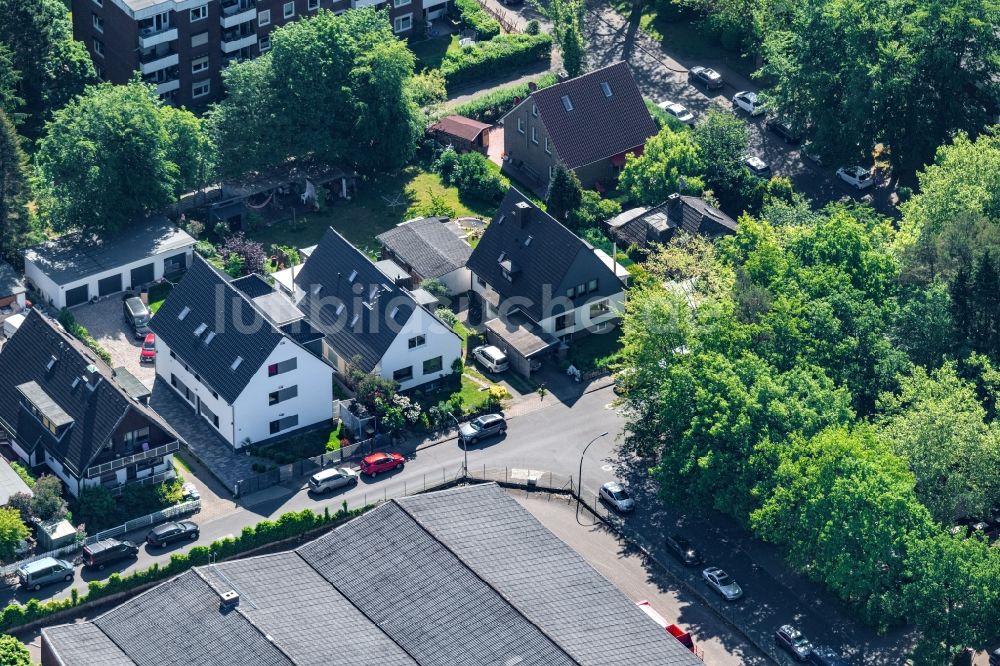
(141, 320)
(619, 494)
(798, 640)
(149, 345)
(476, 425)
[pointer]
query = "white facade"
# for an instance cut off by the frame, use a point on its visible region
(250, 417)
(439, 341)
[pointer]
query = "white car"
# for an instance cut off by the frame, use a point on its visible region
(678, 111)
(491, 358)
(857, 177)
(333, 478)
(757, 166)
(190, 491)
(721, 582)
(615, 494)
(749, 102)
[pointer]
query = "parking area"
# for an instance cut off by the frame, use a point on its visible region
(106, 324)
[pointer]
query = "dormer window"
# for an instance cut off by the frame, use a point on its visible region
(606, 89)
(567, 103)
(503, 255)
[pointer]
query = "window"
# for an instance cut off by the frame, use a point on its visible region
(606, 89)
(480, 281)
(534, 134)
(208, 414)
(567, 103)
(599, 308)
(199, 40)
(571, 292)
(403, 23)
(289, 10)
(581, 289)
(534, 110)
(274, 397)
(282, 367)
(548, 148)
(564, 321)
(314, 4)
(264, 44)
(592, 286)
(99, 47)
(433, 365)
(520, 125)
(199, 65)
(201, 89)
(98, 22)
(403, 374)
(418, 341)
(264, 17)
(137, 436)
(283, 424)
(199, 13)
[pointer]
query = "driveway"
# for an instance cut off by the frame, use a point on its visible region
(106, 324)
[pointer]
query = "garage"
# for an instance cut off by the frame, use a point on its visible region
(175, 264)
(77, 296)
(142, 275)
(109, 285)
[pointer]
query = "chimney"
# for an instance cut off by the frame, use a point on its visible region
(517, 100)
(91, 376)
(522, 210)
(673, 199)
(532, 86)
(229, 600)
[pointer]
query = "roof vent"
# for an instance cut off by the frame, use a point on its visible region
(52, 362)
(184, 313)
(567, 103)
(200, 329)
(229, 600)
(236, 363)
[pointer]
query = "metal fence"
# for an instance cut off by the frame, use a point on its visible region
(299, 468)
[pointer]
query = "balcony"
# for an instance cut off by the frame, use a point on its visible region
(233, 43)
(150, 37)
(154, 62)
(240, 11)
(168, 87)
(124, 461)
(358, 4)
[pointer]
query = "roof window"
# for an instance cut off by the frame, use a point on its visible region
(52, 361)
(395, 311)
(354, 320)
(316, 288)
(606, 89)
(236, 363)
(201, 329)
(340, 308)
(527, 241)
(567, 103)
(184, 313)
(352, 276)
(209, 337)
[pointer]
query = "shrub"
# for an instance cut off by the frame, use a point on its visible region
(78, 331)
(13, 653)
(24, 473)
(205, 249)
(477, 18)
(445, 164)
(447, 316)
(475, 176)
(47, 501)
(242, 255)
(484, 59)
(533, 28)
(592, 211)
(491, 107)
(12, 532)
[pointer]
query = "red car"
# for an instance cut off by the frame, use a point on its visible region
(377, 463)
(148, 352)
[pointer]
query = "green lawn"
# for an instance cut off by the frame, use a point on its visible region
(430, 52)
(593, 352)
(369, 214)
(157, 294)
(306, 445)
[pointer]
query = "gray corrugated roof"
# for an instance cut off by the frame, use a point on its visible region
(11, 281)
(241, 330)
(84, 645)
(428, 246)
(73, 257)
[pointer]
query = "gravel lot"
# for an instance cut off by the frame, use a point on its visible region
(105, 322)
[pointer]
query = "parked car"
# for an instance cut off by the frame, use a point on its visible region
(166, 533)
(757, 166)
(147, 354)
(380, 462)
(721, 582)
(136, 316)
(45, 571)
(678, 111)
(614, 493)
(809, 152)
(491, 358)
(706, 76)
(749, 102)
(482, 427)
(857, 177)
(101, 553)
(333, 478)
(826, 656)
(189, 491)
(791, 640)
(682, 549)
(783, 129)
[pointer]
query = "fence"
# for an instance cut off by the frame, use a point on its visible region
(353, 423)
(137, 523)
(299, 468)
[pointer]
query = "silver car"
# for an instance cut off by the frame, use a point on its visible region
(615, 494)
(721, 582)
(331, 479)
(678, 111)
(485, 426)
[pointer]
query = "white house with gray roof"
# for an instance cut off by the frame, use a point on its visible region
(241, 356)
(74, 269)
(430, 248)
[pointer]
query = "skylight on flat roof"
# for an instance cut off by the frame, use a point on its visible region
(567, 103)
(183, 313)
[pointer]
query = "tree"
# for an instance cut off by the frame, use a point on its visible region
(574, 50)
(13, 652)
(233, 124)
(475, 176)
(106, 159)
(249, 255)
(47, 501)
(373, 389)
(14, 190)
(564, 194)
(924, 327)
(567, 26)
(12, 532)
(592, 211)
(671, 162)
(10, 80)
(722, 143)
(427, 88)
(96, 507)
(189, 147)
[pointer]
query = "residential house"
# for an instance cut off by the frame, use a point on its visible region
(429, 248)
(460, 577)
(638, 227)
(11, 290)
(461, 133)
(74, 268)
(61, 407)
(368, 321)
(537, 282)
(589, 124)
(237, 353)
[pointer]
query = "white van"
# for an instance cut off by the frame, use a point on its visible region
(491, 358)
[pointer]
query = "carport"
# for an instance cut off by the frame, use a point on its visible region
(523, 341)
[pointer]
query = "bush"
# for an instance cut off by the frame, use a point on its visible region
(445, 164)
(47, 501)
(477, 18)
(475, 176)
(493, 106)
(533, 28)
(484, 59)
(592, 211)
(24, 473)
(13, 653)
(78, 331)
(447, 316)
(205, 249)
(242, 256)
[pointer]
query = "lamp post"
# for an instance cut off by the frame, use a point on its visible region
(465, 449)
(579, 482)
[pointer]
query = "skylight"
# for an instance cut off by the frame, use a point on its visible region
(340, 308)
(316, 288)
(184, 313)
(52, 361)
(354, 320)
(606, 88)
(201, 329)
(527, 241)
(353, 275)
(567, 103)
(209, 337)
(236, 363)
(395, 311)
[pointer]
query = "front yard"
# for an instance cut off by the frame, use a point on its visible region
(430, 53)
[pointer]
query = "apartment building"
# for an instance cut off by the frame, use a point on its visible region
(182, 46)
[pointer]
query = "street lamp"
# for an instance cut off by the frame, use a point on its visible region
(465, 449)
(579, 491)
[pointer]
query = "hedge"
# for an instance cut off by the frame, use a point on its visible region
(478, 19)
(484, 60)
(493, 106)
(266, 532)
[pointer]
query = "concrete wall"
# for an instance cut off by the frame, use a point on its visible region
(458, 281)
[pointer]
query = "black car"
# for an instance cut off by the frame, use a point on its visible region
(682, 549)
(100, 554)
(170, 532)
(706, 76)
(784, 130)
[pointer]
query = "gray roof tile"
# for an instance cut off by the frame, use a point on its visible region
(84, 645)
(428, 246)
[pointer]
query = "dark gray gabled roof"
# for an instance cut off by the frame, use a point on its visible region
(598, 126)
(542, 265)
(355, 323)
(234, 329)
(73, 257)
(694, 215)
(11, 282)
(428, 246)
(85, 645)
(49, 366)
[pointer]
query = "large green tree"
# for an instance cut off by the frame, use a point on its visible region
(12, 532)
(189, 147)
(567, 26)
(564, 194)
(14, 190)
(671, 162)
(722, 140)
(13, 652)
